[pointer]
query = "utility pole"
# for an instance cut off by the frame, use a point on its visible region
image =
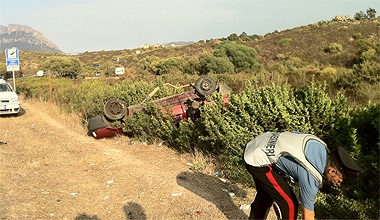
(51, 87)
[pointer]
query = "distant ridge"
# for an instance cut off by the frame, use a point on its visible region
(25, 38)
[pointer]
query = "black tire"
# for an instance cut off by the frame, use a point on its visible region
(115, 109)
(96, 123)
(205, 86)
(106, 121)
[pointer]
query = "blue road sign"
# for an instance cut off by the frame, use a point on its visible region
(12, 59)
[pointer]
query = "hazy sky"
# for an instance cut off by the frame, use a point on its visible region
(94, 25)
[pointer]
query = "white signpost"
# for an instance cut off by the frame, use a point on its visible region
(13, 63)
(119, 70)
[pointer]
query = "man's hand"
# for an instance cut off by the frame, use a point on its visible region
(307, 214)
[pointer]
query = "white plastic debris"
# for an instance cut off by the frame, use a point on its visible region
(244, 207)
(110, 182)
(223, 180)
(231, 194)
(176, 194)
(74, 194)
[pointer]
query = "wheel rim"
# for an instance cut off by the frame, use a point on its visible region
(115, 108)
(206, 85)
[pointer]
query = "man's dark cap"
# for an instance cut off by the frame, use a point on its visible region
(346, 162)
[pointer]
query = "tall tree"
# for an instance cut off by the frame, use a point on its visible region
(371, 13)
(63, 66)
(241, 56)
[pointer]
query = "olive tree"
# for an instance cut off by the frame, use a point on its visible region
(241, 56)
(360, 16)
(62, 66)
(371, 13)
(220, 65)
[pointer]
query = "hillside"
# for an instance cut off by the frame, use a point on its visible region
(309, 42)
(306, 42)
(25, 38)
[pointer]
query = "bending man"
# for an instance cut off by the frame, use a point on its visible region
(272, 158)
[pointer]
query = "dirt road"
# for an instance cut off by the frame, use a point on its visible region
(51, 169)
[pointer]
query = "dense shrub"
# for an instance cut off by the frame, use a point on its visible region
(285, 42)
(241, 56)
(87, 97)
(148, 63)
(329, 71)
(170, 65)
(220, 65)
(333, 48)
(352, 200)
(62, 66)
(367, 71)
(361, 83)
(368, 55)
(34, 88)
(192, 65)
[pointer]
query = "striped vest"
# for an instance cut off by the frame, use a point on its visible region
(266, 149)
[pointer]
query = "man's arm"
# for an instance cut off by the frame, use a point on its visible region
(307, 214)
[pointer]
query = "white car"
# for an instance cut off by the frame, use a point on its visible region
(9, 103)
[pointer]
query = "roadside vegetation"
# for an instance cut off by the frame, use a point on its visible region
(321, 78)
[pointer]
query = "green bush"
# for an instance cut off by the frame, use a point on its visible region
(367, 71)
(170, 65)
(361, 83)
(62, 66)
(149, 63)
(285, 42)
(363, 44)
(368, 55)
(220, 65)
(352, 200)
(34, 87)
(333, 48)
(329, 71)
(241, 56)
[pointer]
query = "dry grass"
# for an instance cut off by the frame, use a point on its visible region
(202, 163)
(50, 169)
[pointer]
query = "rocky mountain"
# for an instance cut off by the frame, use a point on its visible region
(25, 38)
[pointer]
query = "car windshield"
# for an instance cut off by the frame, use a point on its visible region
(5, 88)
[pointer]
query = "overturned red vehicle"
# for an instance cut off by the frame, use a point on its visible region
(183, 106)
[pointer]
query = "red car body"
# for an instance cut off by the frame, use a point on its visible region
(182, 107)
